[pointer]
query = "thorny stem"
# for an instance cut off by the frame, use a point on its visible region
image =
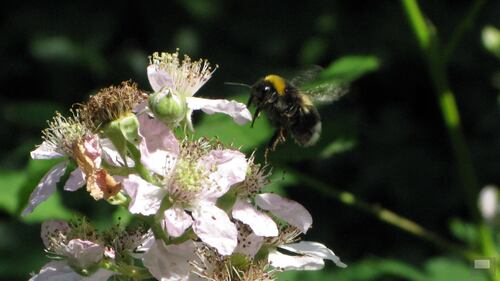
(436, 59)
(384, 215)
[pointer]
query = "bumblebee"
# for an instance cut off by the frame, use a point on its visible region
(291, 110)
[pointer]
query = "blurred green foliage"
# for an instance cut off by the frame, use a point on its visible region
(384, 141)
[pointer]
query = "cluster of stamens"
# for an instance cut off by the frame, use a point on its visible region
(64, 132)
(111, 104)
(187, 76)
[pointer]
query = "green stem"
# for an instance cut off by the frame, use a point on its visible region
(464, 25)
(384, 215)
(429, 44)
(133, 272)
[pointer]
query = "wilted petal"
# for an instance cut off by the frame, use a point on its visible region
(146, 198)
(231, 167)
(93, 149)
(237, 110)
(45, 151)
(46, 187)
(313, 249)
(489, 202)
(260, 223)
(159, 147)
(158, 78)
(285, 209)
(169, 263)
(286, 262)
(60, 271)
(52, 227)
(176, 221)
(75, 181)
(212, 225)
(82, 253)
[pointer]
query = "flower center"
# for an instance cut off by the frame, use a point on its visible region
(188, 176)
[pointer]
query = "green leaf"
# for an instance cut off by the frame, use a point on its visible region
(53, 208)
(15, 112)
(349, 68)
(464, 231)
(11, 183)
(445, 269)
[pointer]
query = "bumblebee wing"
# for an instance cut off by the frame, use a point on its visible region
(322, 93)
(306, 76)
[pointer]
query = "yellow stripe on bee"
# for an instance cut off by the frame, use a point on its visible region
(278, 83)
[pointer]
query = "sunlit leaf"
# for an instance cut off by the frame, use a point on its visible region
(10, 184)
(349, 68)
(445, 269)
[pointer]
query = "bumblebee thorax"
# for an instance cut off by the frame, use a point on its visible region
(277, 82)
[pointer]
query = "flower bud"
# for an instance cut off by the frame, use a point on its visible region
(168, 107)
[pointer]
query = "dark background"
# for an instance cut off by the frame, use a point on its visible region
(395, 148)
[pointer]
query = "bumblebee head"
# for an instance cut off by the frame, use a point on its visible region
(266, 88)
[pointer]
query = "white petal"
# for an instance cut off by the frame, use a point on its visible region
(46, 187)
(249, 244)
(489, 202)
(286, 262)
(60, 271)
(51, 227)
(111, 155)
(212, 225)
(158, 78)
(146, 198)
(231, 167)
(285, 209)
(313, 249)
(260, 223)
(159, 147)
(82, 253)
(237, 110)
(176, 221)
(75, 181)
(169, 263)
(45, 151)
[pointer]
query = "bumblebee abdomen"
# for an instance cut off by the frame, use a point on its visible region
(306, 128)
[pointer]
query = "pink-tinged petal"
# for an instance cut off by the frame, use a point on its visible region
(237, 110)
(176, 221)
(75, 181)
(249, 244)
(146, 198)
(159, 147)
(169, 263)
(212, 225)
(45, 151)
(313, 249)
(46, 187)
(82, 253)
(60, 271)
(260, 223)
(158, 78)
(285, 209)
(285, 262)
(92, 148)
(111, 155)
(230, 168)
(52, 228)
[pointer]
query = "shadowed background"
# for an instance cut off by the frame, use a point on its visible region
(384, 141)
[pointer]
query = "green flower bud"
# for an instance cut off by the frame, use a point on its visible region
(168, 107)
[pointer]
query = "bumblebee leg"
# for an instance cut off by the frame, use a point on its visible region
(278, 137)
(255, 116)
(249, 100)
